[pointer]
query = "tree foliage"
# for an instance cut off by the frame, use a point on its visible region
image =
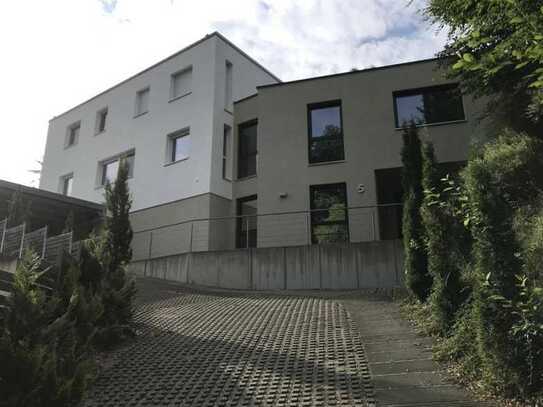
(418, 280)
(495, 49)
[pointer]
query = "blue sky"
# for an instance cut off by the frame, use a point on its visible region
(58, 53)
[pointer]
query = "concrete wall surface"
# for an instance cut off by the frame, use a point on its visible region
(333, 267)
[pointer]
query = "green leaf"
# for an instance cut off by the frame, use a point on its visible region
(468, 57)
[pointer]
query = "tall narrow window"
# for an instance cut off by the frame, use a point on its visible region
(142, 102)
(325, 132)
(247, 156)
(67, 184)
(228, 86)
(72, 135)
(101, 119)
(178, 145)
(436, 104)
(226, 153)
(329, 223)
(246, 222)
(181, 83)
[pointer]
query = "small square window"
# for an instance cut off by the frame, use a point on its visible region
(109, 172)
(179, 145)
(142, 102)
(110, 168)
(181, 83)
(101, 119)
(72, 135)
(66, 184)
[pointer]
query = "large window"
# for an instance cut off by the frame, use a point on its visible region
(437, 104)
(247, 156)
(181, 83)
(178, 145)
(246, 222)
(110, 168)
(325, 132)
(329, 223)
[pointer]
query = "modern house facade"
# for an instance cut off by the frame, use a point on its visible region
(223, 155)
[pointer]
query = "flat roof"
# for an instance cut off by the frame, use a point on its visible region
(208, 36)
(354, 72)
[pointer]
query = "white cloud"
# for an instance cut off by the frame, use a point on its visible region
(57, 53)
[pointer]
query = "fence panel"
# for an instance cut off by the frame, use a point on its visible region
(36, 241)
(55, 246)
(13, 240)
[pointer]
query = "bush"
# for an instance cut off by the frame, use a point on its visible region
(447, 242)
(417, 278)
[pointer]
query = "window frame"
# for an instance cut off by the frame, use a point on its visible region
(137, 101)
(313, 210)
(241, 126)
(420, 91)
(63, 184)
(226, 140)
(321, 105)
(69, 130)
(172, 147)
(173, 76)
(117, 158)
(101, 114)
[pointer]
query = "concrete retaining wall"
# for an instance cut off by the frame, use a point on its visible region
(376, 264)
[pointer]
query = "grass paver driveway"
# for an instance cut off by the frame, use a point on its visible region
(213, 348)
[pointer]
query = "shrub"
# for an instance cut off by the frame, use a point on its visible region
(418, 280)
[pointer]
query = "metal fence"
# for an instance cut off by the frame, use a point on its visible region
(296, 228)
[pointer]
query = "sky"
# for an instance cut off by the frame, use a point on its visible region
(57, 53)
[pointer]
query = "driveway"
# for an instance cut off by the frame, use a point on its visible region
(221, 348)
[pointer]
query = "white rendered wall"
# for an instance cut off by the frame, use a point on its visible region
(155, 183)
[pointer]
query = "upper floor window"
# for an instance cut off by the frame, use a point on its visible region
(101, 119)
(72, 135)
(181, 83)
(228, 85)
(66, 184)
(142, 102)
(110, 168)
(325, 132)
(226, 153)
(436, 104)
(179, 145)
(247, 153)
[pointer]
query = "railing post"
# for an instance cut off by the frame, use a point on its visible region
(150, 246)
(191, 232)
(308, 221)
(22, 241)
(3, 235)
(373, 225)
(44, 247)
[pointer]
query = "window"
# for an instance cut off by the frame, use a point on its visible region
(437, 104)
(178, 145)
(181, 83)
(246, 222)
(66, 184)
(247, 149)
(325, 132)
(228, 86)
(101, 118)
(226, 153)
(110, 168)
(329, 223)
(72, 135)
(142, 102)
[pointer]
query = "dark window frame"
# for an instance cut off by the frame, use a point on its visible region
(241, 126)
(66, 179)
(173, 137)
(320, 105)
(118, 159)
(101, 120)
(312, 189)
(226, 140)
(72, 138)
(240, 220)
(421, 91)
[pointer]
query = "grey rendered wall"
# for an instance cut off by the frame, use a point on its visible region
(370, 139)
(352, 266)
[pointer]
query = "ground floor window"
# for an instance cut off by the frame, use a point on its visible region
(246, 222)
(329, 220)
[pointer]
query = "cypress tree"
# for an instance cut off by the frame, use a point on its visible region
(417, 278)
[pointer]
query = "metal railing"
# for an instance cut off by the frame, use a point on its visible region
(294, 228)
